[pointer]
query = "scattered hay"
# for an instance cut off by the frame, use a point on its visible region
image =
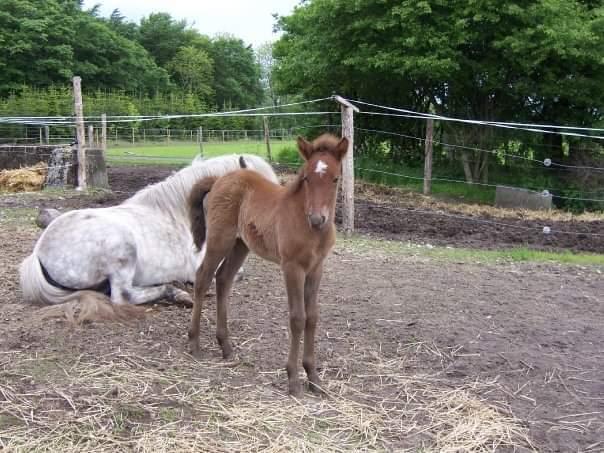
(25, 179)
(125, 402)
(380, 193)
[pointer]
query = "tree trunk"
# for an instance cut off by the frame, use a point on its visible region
(466, 166)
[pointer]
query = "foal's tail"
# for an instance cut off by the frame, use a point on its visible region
(77, 306)
(197, 213)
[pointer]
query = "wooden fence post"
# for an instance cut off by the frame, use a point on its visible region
(80, 132)
(104, 131)
(267, 139)
(201, 140)
(347, 110)
(90, 136)
(428, 156)
(46, 135)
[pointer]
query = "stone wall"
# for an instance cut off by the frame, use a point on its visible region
(62, 163)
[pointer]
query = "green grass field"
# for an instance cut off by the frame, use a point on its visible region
(182, 154)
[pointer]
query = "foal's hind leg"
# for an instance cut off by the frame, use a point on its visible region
(218, 248)
(224, 283)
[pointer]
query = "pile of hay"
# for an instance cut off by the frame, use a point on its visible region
(25, 179)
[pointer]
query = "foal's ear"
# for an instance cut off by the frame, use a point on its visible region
(305, 148)
(341, 148)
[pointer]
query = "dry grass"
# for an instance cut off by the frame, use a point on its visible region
(26, 179)
(399, 196)
(125, 402)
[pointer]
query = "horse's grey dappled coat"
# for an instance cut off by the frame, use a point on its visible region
(131, 251)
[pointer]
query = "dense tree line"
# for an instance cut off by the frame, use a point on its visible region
(532, 60)
(43, 43)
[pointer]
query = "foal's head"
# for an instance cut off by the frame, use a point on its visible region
(319, 176)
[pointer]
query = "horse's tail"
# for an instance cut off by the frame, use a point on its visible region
(77, 306)
(197, 211)
(35, 286)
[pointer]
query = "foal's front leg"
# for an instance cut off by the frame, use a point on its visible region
(294, 282)
(311, 292)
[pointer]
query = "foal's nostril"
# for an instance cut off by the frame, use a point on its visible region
(317, 220)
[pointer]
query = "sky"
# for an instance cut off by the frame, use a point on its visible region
(250, 20)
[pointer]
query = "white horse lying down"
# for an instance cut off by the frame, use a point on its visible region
(130, 252)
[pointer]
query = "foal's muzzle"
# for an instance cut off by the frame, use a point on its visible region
(317, 221)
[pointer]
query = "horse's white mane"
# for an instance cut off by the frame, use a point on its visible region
(171, 194)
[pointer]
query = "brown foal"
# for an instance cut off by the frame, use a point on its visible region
(292, 226)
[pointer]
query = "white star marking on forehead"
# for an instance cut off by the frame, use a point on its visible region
(320, 168)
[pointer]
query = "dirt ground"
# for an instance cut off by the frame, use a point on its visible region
(417, 352)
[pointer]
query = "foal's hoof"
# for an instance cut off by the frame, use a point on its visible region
(315, 386)
(194, 348)
(295, 389)
(227, 350)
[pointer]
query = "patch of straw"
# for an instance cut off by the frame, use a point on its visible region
(25, 179)
(126, 402)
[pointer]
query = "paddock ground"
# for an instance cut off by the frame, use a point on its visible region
(418, 351)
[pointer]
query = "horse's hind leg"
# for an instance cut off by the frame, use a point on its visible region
(224, 283)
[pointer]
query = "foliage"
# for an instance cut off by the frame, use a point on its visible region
(44, 43)
(193, 70)
(531, 61)
(236, 73)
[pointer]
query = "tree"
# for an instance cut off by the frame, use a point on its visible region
(538, 60)
(163, 36)
(46, 42)
(118, 23)
(106, 59)
(264, 55)
(193, 70)
(35, 42)
(236, 73)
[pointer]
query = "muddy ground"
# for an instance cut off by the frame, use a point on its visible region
(525, 338)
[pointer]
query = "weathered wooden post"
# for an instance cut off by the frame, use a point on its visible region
(347, 110)
(104, 132)
(428, 156)
(267, 139)
(46, 135)
(132, 135)
(80, 132)
(90, 136)
(201, 140)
